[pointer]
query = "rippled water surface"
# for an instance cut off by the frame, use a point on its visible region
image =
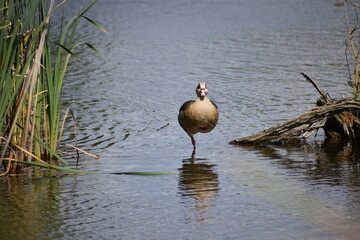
(126, 104)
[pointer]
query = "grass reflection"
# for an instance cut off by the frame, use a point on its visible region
(30, 208)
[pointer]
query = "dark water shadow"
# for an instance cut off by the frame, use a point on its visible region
(320, 182)
(325, 163)
(199, 181)
(328, 168)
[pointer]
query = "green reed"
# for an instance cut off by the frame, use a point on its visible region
(32, 70)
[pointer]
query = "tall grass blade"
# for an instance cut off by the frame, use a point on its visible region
(68, 50)
(87, 8)
(63, 169)
(94, 49)
(51, 151)
(143, 173)
(95, 24)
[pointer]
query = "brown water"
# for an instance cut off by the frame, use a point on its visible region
(251, 54)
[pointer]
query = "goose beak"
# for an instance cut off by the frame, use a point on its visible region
(203, 92)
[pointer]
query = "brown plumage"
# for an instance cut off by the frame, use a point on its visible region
(200, 115)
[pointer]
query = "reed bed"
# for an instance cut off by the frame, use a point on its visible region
(32, 70)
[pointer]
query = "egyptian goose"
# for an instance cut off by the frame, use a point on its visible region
(200, 115)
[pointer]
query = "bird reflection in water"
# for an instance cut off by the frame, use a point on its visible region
(198, 181)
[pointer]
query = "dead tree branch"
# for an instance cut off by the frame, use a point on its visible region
(301, 126)
(324, 95)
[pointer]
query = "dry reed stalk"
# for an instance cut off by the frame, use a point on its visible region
(83, 151)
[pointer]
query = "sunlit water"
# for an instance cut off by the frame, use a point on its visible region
(251, 54)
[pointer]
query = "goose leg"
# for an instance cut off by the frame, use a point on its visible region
(193, 153)
(193, 141)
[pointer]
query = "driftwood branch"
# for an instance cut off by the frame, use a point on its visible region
(324, 95)
(301, 126)
(335, 117)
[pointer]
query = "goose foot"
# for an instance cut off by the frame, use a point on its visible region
(193, 153)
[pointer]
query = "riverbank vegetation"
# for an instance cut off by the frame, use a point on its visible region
(32, 69)
(339, 118)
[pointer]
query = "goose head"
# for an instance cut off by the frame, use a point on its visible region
(201, 90)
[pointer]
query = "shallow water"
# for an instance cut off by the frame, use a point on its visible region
(251, 54)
